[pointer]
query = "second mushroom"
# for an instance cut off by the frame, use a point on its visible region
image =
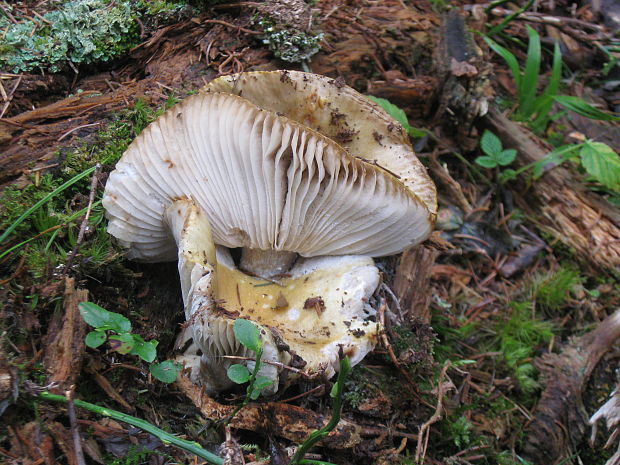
(309, 179)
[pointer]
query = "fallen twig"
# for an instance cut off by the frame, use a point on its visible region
(9, 98)
(91, 199)
(276, 364)
(75, 431)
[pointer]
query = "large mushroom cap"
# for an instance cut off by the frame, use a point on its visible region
(265, 182)
(339, 112)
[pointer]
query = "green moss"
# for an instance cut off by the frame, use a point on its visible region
(551, 290)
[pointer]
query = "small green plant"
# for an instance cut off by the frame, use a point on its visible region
(116, 330)
(336, 394)
(534, 108)
(551, 290)
(494, 153)
(248, 335)
(460, 432)
(596, 158)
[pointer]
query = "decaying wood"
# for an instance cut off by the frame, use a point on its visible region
(570, 212)
(65, 339)
(279, 419)
(412, 282)
(560, 419)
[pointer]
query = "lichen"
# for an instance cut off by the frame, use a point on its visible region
(287, 41)
(82, 31)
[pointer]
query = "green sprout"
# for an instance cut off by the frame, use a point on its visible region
(248, 335)
(116, 329)
(494, 153)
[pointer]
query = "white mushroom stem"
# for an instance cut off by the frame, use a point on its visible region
(266, 263)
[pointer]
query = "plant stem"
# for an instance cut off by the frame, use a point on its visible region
(315, 436)
(165, 437)
(313, 462)
(249, 389)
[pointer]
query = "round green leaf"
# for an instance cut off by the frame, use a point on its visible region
(145, 350)
(262, 382)
(490, 144)
(101, 318)
(95, 338)
(247, 334)
(166, 371)
(238, 373)
(506, 157)
(486, 162)
(122, 343)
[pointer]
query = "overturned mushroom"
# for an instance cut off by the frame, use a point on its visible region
(307, 213)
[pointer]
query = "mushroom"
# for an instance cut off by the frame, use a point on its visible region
(234, 167)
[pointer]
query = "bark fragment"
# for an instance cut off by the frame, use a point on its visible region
(65, 340)
(412, 282)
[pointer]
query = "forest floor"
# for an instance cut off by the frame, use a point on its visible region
(501, 341)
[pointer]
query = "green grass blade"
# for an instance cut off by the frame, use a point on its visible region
(165, 437)
(500, 27)
(529, 82)
(556, 72)
(583, 108)
(543, 103)
(55, 229)
(508, 57)
(44, 200)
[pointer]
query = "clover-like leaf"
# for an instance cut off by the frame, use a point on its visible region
(248, 334)
(166, 371)
(145, 350)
